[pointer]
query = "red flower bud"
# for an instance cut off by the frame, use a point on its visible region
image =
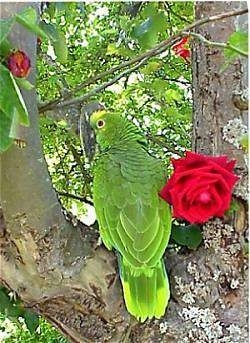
(181, 49)
(19, 64)
(181, 43)
(39, 41)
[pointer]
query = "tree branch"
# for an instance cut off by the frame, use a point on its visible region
(101, 87)
(145, 56)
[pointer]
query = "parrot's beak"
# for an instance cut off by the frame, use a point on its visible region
(87, 134)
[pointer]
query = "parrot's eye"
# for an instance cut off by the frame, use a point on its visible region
(100, 123)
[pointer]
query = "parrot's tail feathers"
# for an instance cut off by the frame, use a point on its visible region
(145, 296)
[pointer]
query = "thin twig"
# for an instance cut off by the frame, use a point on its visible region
(218, 44)
(186, 83)
(169, 8)
(64, 85)
(145, 56)
(162, 144)
(76, 197)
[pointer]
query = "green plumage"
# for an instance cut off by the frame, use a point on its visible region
(132, 218)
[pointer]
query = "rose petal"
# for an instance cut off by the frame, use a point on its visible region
(200, 186)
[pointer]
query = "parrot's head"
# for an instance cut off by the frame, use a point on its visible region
(107, 127)
(112, 129)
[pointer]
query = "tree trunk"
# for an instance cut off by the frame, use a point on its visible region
(54, 264)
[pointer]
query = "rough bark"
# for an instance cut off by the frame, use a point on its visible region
(55, 266)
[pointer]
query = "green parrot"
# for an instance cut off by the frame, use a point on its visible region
(132, 218)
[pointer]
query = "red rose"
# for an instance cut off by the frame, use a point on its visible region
(181, 49)
(19, 64)
(200, 187)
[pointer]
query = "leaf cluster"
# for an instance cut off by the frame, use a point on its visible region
(13, 308)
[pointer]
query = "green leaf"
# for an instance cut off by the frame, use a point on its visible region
(31, 320)
(62, 123)
(151, 67)
(244, 142)
(5, 27)
(5, 300)
(50, 30)
(24, 83)
(145, 34)
(14, 310)
(172, 112)
(159, 86)
(8, 129)
(10, 307)
(125, 52)
(61, 49)
(112, 49)
(14, 125)
(148, 40)
(11, 97)
(234, 207)
(5, 48)
(51, 10)
(28, 18)
(143, 28)
(19, 105)
(172, 94)
(150, 9)
(239, 40)
(160, 22)
(58, 41)
(245, 248)
(189, 236)
(61, 7)
(147, 31)
(56, 8)
(5, 141)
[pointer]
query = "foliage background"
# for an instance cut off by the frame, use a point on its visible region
(92, 38)
(157, 96)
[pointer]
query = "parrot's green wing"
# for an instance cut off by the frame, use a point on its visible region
(133, 219)
(136, 222)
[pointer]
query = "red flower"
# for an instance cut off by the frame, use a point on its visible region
(19, 64)
(200, 187)
(181, 49)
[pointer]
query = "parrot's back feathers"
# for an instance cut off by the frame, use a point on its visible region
(133, 219)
